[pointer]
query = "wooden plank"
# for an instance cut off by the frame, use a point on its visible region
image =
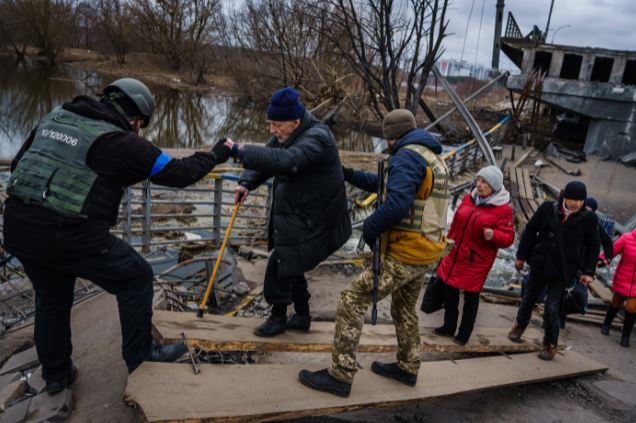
(525, 206)
(169, 392)
(224, 333)
(527, 184)
(514, 192)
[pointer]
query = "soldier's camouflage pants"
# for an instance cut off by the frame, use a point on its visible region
(403, 282)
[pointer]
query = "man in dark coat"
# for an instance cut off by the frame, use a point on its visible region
(65, 188)
(561, 245)
(309, 217)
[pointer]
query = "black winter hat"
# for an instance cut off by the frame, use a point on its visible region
(591, 203)
(575, 190)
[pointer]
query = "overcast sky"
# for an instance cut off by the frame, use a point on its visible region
(593, 23)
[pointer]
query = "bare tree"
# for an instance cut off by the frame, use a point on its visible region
(12, 33)
(116, 22)
(275, 43)
(48, 24)
(177, 29)
(390, 44)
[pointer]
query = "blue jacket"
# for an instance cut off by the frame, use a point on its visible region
(406, 172)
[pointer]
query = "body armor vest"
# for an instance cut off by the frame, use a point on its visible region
(428, 215)
(53, 173)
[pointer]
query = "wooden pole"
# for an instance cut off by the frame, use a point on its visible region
(218, 261)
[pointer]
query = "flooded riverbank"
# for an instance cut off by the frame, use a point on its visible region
(183, 119)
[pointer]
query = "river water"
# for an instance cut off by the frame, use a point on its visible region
(183, 119)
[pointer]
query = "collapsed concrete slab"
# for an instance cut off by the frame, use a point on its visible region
(22, 361)
(17, 413)
(55, 408)
(12, 392)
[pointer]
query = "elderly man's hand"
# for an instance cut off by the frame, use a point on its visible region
(235, 148)
(519, 265)
(586, 280)
(240, 193)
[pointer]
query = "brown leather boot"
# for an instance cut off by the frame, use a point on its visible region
(515, 333)
(548, 352)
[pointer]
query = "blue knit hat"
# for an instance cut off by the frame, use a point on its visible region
(285, 105)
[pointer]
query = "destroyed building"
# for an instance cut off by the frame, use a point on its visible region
(598, 84)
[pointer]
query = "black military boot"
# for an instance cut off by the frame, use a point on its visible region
(628, 326)
(392, 371)
(323, 381)
(167, 352)
(273, 326)
(301, 323)
(609, 317)
(55, 386)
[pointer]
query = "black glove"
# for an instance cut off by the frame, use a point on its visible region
(348, 173)
(220, 151)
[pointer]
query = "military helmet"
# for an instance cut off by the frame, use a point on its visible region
(138, 93)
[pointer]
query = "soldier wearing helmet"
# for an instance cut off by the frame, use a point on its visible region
(65, 188)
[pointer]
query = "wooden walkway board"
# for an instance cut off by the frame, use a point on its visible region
(168, 392)
(223, 333)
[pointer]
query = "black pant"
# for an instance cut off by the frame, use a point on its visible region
(451, 310)
(120, 271)
(284, 291)
(552, 310)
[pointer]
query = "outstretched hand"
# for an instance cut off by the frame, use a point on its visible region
(220, 151)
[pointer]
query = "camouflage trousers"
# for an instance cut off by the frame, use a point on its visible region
(403, 282)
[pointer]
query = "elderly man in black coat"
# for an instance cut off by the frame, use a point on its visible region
(309, 217)
(561, 245)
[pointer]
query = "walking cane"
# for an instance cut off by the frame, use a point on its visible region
(218, 261)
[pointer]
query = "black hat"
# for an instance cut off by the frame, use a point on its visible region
(575, 190)
(591, 203)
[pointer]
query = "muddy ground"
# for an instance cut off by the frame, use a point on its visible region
(608, 397)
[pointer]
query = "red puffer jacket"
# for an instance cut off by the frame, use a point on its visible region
(624, 282)
(470, 260)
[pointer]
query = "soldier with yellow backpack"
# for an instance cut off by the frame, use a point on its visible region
(411, 222)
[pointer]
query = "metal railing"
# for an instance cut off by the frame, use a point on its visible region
(141, 226)
(468, 155)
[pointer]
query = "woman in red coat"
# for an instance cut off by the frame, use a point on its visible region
(624, 286)
(482, 224)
